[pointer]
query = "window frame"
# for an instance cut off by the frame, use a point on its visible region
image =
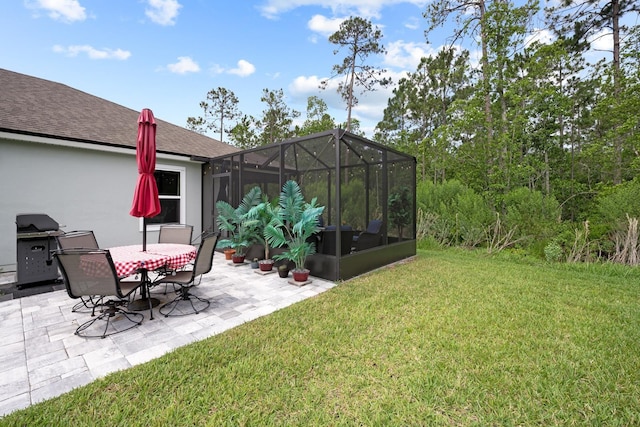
(182, 197)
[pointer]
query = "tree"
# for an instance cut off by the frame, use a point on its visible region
(354, 126)
(392, 130)
(277, 119)
(420, 105)
(400, 210)
(588, 18)
(244, 133)
(221, 104)
(481, 124)
(318, 119)
(470, 19)
(361, 40)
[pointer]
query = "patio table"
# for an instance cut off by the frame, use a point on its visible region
(129, 260)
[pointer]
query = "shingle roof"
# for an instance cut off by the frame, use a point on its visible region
(34, 106)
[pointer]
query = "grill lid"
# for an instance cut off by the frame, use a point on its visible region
(27, 223)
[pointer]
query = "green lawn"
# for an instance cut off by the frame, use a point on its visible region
(452, 338)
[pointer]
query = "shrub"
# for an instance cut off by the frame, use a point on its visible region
(457, 214)
(536, 216)
(613, 206)
(553, 252)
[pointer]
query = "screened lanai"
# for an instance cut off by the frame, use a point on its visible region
(368, 191)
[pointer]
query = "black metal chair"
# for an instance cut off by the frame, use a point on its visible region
(369, 238)
(80, 239)
(175, 233)
(186, 280)
(91, 272)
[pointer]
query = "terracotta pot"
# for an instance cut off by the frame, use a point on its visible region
(300, 275)
(237, 259)
(228, 253)
(266, 264)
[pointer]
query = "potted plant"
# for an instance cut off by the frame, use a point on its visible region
(241, 230)
(238, 257)
(296, 221)
(263, 214)
(265, 264)
(400, 210)
(228, 253)
(283, 271)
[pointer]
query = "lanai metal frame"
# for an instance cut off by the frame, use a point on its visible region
(350, 175)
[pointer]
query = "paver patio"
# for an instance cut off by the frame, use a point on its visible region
(41, 357)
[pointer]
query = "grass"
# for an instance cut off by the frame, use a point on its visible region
(452, 338)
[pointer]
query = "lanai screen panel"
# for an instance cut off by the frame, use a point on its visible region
(261, 168)
(351, 176)
(361, 182)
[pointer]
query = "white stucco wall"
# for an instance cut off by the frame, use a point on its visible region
(82, 189)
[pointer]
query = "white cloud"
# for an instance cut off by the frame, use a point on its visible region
(163, 12)
(370, 107)
(602, 41)
(302, 86)
(216, 69)
(364, 8)
(323, 25)
(406, 55)
(184, 65)
(92, 52)
(60, 10)
(412, 23)
(542, 36)
(244, 68)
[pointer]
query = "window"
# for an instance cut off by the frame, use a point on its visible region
(171, 191)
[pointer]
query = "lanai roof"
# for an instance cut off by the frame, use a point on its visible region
(34, 106)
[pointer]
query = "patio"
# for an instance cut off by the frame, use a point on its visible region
(42, 358)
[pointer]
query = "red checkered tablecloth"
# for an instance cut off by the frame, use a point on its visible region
(129, 260)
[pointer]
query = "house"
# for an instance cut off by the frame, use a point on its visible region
(72, 156)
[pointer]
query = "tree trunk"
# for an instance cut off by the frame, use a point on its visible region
(615, 5)
(352, 78)
(487, 90)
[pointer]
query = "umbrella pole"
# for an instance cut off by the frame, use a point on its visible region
(144, 234)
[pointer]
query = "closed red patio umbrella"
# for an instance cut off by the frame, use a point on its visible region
(146, 203)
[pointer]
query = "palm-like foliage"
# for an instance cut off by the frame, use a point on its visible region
(263, 214)
(242, 229)
(296, 221)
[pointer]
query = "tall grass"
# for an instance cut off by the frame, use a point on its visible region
(452, 338)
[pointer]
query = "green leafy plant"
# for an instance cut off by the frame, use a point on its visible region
(263, 213)
(242, 230)
(553, 252)
(457, 214)
(296, 221)
(400, 210)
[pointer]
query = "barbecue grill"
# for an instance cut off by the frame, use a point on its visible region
(35, 239)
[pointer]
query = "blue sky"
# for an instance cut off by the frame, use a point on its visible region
(167, 54)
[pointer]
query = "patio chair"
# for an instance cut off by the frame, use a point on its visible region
(369, 238)
(186, 280)
(80, 239)
(175, 233)
(91, 272)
